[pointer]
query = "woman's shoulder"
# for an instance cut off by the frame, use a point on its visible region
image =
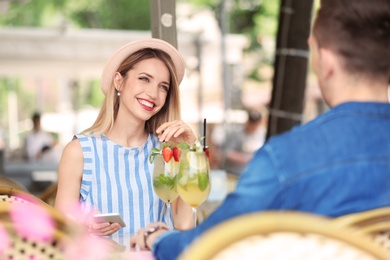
(72, 149)
(88, 138)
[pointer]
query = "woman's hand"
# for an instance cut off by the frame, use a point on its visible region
(176, 131)
(101, 228)
(145, 241)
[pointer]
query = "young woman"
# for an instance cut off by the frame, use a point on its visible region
(106, 168)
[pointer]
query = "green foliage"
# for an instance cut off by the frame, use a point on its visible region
(253, 18)
(266, 19)
(94, 96)
(26, 98)
(113, 14)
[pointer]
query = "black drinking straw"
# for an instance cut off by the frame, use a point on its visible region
(204, 133)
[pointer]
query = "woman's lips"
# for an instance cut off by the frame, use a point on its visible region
(147, 105)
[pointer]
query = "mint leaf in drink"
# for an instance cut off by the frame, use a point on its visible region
(155, 150)
(203, 181)
(168, 181)
(152, 156)
(183, 146)
(162, 179)
(156, 182)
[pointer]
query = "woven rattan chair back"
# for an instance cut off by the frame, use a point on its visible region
(281, 235)
(11, 183)
(16, 246)
(374, 223)
(10, 196)
(49, 194)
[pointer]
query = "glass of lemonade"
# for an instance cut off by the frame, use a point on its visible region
(164, 179)
(193, 181)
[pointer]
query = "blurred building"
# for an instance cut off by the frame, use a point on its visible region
(59, 60)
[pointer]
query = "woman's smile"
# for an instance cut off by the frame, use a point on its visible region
(147, 105)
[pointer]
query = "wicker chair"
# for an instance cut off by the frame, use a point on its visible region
(8, 182)
(21, 247)
(374, 223)
(49, 194)
(10, 196)
(69, 235)
(281, 235)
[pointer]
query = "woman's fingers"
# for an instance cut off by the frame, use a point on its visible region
(138, 240)
(176, 131)
(103, 229)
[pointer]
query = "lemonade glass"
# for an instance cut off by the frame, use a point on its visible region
(193, 181)
(164, 179)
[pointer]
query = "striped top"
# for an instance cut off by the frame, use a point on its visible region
(119, 179)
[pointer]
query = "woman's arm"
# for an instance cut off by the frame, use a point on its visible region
(70, 173)
(182, 215)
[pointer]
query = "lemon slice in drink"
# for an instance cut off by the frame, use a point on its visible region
(197, 160)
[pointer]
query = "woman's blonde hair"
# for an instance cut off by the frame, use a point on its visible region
(109, 110)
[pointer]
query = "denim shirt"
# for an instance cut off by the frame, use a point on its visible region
(336, 164)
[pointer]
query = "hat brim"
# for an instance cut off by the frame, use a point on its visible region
(126, 50)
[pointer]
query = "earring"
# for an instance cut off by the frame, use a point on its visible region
(118, 94)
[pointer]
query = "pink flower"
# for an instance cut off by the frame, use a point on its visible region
(87, 247)
(32, 221)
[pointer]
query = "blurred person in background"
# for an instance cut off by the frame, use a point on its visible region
(337, 164)
(37, 141)
(242, 143)
(233, 148)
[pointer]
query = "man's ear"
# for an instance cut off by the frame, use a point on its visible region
(328, 62)
(118, 79)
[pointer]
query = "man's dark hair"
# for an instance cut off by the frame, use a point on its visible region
(254, 116)
(36, 116)
(359, 31)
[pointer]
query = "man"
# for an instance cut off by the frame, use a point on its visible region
(242, 143)
(37, 140)
(336, 164)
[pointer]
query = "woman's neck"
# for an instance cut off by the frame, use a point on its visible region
(127, 133)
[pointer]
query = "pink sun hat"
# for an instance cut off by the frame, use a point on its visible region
(126, 50)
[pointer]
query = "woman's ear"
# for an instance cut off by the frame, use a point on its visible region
(118, 80)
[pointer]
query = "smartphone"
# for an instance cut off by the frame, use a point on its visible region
(109, 217)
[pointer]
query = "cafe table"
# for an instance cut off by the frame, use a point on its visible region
(121, 250)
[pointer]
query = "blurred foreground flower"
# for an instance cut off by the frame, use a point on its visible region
(83, 245)
(32, 221)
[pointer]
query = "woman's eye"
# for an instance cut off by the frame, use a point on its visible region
(165, 88)
(144, 79)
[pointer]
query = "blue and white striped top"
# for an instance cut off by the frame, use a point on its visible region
(119, 179)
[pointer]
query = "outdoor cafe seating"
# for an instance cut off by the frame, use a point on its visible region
(31, 227)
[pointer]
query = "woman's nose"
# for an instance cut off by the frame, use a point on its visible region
(151, 90)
